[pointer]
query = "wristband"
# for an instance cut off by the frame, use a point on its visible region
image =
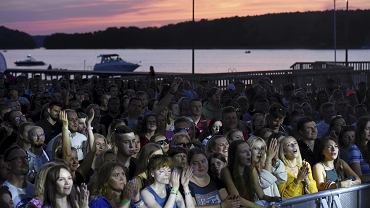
(125, 202)
(174, 191)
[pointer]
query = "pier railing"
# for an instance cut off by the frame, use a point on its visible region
(306, 75)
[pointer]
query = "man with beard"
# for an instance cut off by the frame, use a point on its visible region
(50, 125)
(37, 155)
(77, 139)
(17, 163)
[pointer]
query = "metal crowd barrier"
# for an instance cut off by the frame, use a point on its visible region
(353, 197)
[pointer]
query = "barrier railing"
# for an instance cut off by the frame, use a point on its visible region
(353, 197)
(344, 76)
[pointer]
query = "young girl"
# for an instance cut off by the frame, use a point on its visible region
(159, 193)
(237, 174)
(332, 172)
(263, 177)
(300, 180)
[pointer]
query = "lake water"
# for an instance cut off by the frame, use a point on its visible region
(206, 61)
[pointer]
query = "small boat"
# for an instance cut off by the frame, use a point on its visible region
(30, 61)
(113, 62)
(247, 51)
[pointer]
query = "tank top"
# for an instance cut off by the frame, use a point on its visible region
(158, 199)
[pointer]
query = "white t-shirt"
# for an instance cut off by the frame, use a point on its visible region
(20, 196)
(77, 141)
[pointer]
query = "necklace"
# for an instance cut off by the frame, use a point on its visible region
(327, 167)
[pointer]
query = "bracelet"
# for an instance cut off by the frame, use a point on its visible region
(139, 204)
(125, 202)
(90, 128)
(174, 191)
(187, 193)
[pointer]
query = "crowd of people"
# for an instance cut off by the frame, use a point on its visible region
(108, 142)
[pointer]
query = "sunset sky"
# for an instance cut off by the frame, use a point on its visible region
(43, 17)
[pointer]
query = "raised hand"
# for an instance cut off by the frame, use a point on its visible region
(302, 172)
(272, 149)
(83, 196)
(63, 118)
(175, 179)
(175, 84)
(186, 174)
(90, 117)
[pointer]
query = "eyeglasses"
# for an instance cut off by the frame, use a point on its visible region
(183, 145)
(162, 142)
(20, 118)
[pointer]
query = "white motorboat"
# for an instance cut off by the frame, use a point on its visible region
(30, 61)
(113, 62)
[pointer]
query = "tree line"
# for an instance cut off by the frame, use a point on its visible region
(283, 30)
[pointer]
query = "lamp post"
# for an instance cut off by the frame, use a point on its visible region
(335, 33)
(347, 33)
(192, 49)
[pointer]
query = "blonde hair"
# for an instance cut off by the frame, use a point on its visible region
(282, 157)
(41, 178)
(252, 142)
(179, 136)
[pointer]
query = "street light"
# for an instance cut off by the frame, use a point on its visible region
(347, 19)
(335, 33)
(192, 49)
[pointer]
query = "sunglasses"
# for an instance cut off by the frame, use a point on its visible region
(162, 142)
(183, 145)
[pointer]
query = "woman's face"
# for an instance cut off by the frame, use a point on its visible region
(64, 182)
(117, 180)
(161, 140)
(216, 166)
(244, 154)
(258, 150)
(366, 132)
(330, 151)
(291, 149)
(100, 145)
(162, 175)
(222, 146)
(199, 164)
(237, 135)
(216, 127)
(151, 123)
(348, 138)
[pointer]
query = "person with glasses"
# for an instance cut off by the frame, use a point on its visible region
(161, 140)
(181, 139)
(17, 162)
(185, 125)
(148, 129)
(36, 153)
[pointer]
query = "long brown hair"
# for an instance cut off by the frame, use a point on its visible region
(338, 164)
(50, 187)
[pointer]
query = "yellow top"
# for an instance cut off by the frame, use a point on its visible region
(289, 188)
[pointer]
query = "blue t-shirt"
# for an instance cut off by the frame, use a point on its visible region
(355, 156)
(158, 199)
(207, 195)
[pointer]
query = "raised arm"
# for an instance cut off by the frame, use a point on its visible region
(90, 132)
(66, 143)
